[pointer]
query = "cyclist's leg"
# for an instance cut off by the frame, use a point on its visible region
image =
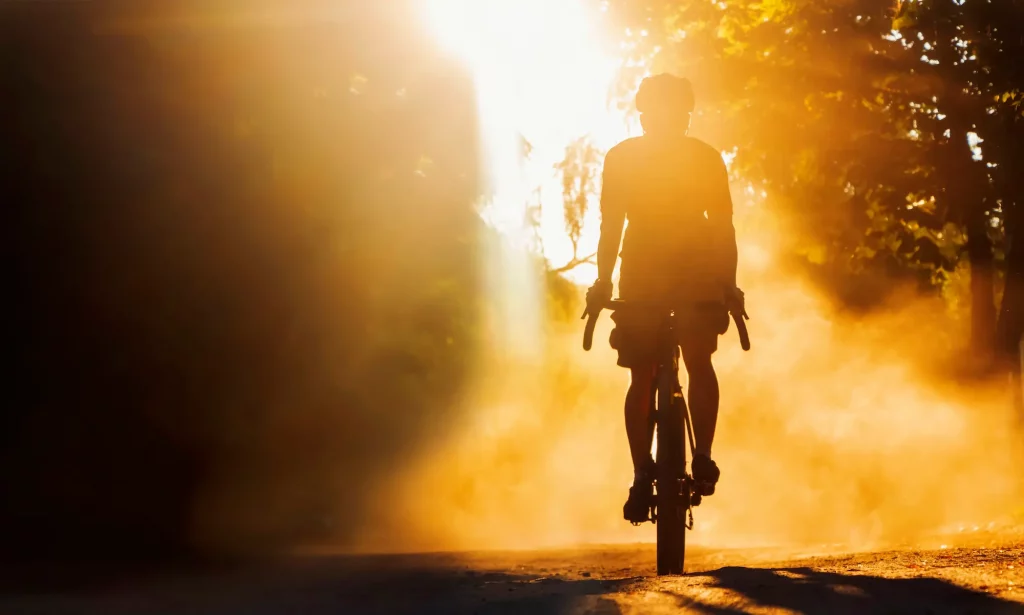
(698, 340)
(639, 399)
(698, 343)
(703, 390)
(635, 338)
(634, 341)
(638, 430)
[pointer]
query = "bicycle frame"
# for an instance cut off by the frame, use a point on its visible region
(673, 485)
(672, 512)
(675, 496)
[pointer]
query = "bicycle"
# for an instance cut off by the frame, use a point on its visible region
(675, 491)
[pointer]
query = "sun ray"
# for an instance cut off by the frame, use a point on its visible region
(542, 74)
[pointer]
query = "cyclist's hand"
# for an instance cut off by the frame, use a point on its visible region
(735, 301)
(599, 294)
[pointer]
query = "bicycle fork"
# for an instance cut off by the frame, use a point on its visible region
(691, 496)
(685, 485)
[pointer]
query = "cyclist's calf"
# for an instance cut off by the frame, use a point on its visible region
(703, 397)
(639, 399)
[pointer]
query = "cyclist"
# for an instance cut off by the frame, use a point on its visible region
(680, 249)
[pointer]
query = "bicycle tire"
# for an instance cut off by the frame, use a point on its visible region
(671, 498)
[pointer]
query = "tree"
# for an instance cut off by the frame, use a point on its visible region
(802, 93)
(864, 137)
(245, 276)
(580, 171)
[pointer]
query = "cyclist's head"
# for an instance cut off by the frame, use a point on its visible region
(665, 103)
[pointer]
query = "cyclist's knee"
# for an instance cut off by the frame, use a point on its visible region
(642, 377)
(641, 384)
(698, 364)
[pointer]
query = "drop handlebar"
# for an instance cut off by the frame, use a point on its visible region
(592, 311)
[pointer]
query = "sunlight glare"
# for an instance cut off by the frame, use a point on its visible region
(541, 75)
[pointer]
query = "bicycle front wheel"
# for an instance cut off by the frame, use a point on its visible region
(672, 496)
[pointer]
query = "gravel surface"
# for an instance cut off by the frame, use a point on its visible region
(985, 575)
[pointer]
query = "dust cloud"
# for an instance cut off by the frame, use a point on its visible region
(836, 429)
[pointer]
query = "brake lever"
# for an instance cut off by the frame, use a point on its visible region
(741, 327)
(588, 330)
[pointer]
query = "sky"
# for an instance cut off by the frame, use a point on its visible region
(543, 71)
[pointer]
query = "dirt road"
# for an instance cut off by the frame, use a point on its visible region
(985, 577)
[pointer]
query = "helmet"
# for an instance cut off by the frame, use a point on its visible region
(665, 92)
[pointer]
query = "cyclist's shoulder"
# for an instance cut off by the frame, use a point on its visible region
(643, 151)
(704, 151)
(626, 149)
(635, 146)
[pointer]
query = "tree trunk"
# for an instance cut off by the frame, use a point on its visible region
(968, 187)
(983, 310)
(1010, 326)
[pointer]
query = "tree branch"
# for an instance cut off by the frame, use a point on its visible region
(576, 262)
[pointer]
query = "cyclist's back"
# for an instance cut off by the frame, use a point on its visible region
(663, 188)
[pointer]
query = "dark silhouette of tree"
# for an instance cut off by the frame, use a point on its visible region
(580, 172)
(245, 260)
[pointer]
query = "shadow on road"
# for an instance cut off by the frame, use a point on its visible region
(392, 587)
(803, 590)
(329, 586)
(559, 585)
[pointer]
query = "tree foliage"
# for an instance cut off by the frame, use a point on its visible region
(246, 269)
(861, 120)
(580, 172)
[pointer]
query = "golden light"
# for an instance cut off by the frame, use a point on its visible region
(541, 74)
(870, 447)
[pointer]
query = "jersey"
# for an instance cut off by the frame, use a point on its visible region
(673, 199)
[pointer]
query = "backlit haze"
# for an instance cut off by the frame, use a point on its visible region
(277, 286)
(833, 430)
(543, 72)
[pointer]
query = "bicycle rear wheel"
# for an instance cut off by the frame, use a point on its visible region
(672, 494)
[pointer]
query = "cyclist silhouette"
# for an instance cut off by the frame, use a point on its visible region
(679, 249)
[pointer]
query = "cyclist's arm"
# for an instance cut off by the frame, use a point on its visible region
(720, 216)
(613, 217)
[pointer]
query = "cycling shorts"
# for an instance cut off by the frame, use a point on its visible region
(696, 328)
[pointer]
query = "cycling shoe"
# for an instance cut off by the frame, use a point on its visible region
(705, 475)
(637, 508)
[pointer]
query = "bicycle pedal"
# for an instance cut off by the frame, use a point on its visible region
(702, 488)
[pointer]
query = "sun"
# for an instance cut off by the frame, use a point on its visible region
(541, 73)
